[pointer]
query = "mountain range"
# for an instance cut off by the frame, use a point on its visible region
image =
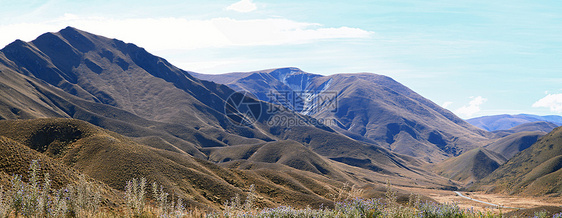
(367, 107)
(506, 121)
(86, 104)
(123, 89)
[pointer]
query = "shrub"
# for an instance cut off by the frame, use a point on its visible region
(82, 198)
(34, 199)
(134, 195)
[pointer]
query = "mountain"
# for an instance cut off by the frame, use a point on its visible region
(536, 170)
(505, 121)
(161, 122)
(512, 144)
(476, 164)
(371, 108)
(470, 166)
(539, 126)
(123, 88)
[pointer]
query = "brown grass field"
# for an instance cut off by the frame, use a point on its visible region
(510, 202)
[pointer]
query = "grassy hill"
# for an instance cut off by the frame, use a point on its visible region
(534, 171)
(470, 166)
(514, 143)
(67, 147)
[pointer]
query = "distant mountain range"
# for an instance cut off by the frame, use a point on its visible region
(367, 107)
(505, 121)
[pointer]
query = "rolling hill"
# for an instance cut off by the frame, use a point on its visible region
(470, 166)
(67, 147)
(534, 171)
(512, 144)
(367, 107)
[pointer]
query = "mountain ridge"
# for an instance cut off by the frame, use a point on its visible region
(406, 111)
(506, 121)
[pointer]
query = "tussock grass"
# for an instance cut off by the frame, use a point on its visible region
(38, 199)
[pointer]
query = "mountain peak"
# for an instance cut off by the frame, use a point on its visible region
(14, 44)
(70, 28)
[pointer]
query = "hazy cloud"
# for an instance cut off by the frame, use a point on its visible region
(243, 6)
(180, 33)
(472, 108)
(551, 101)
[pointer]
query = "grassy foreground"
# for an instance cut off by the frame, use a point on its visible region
(36, 199)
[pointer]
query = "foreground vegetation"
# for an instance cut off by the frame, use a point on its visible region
(38, 199)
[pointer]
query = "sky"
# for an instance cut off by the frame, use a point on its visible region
(475, 58)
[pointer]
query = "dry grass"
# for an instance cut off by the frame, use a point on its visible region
(113, 160)
(534, 171)
(36, 199)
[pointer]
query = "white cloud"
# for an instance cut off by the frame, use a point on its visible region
(446, 104)
(551, 101)
(472, 108)
(243, 6)
(182, 34)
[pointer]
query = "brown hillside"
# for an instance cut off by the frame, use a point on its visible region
(510, 145)
(371, 108)
(470, 166)
(536, 170)
(68, 146)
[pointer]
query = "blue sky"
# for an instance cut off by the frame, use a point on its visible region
(473, 57)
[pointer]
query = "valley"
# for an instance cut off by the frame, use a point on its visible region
(509, 202)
